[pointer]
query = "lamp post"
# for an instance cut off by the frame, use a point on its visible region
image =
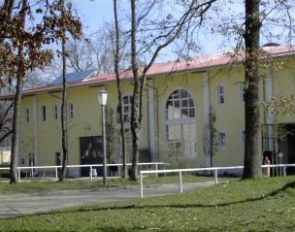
(102, 100)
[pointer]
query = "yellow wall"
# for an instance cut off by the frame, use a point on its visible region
(229, 116)
(87, 114)
(86, 122)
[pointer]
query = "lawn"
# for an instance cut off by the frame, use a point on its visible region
(261, 205)
(28, 186)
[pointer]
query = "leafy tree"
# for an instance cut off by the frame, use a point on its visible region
(22, 38)
(5, 120)
(20, 51)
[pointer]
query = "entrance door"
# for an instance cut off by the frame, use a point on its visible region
(287, 145)
(91, 153)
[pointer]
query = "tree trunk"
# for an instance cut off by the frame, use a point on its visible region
(63, 117)
(252, 162)
(17, 101)
(117, 60)
(15, 126)
(63, 114)
(135, 108)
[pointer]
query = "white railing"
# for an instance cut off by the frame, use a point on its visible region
(32, 169)
(214, 169)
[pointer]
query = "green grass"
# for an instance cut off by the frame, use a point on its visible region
(261, 205)
(187, 178)
(39, 186)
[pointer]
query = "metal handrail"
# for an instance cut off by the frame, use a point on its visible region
(214, 169)
(91, 166)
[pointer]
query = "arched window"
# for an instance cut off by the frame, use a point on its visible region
(180, 122)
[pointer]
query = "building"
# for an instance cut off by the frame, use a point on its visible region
(193, 114)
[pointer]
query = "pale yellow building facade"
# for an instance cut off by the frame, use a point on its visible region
(193, 115)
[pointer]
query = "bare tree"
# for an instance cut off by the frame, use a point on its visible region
(117, 73)
(81, 55)
(263, 21)
(68, 24)
(167, 30)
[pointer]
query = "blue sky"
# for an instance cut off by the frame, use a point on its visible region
(94, 13)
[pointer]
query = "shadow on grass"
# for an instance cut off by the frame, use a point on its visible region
(133, 206)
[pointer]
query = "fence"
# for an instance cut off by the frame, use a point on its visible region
(214, 169)
(92, 167)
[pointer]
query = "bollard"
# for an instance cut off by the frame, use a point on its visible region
(180, 182)
(56, 173)
(216, 176)
(141, 186)
(90, 173)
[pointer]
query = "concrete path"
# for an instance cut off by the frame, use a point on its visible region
(17, 205)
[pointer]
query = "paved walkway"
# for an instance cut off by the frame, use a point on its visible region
(17, 205)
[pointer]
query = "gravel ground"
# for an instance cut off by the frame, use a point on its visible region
(20, 204)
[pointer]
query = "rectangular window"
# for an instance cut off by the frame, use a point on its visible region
(43, 113)
(71, 110)
(221, 140)
(221, 94)
(126, 110)
(27, 115)
(55, 112)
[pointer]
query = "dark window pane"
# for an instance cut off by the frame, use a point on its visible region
(183, 94)
(192, 113)
(184, 113)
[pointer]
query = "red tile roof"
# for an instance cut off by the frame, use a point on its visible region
(196, 64)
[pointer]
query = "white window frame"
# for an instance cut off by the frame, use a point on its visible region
(220, 94)
(184, 103)
(126, 110)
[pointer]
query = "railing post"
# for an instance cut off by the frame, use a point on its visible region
(90, 173)
(18, 174)
(215, 176)
(157, 170)
(56, 172)
(180, 182)
(141, 185)
(120, 169)
(285, 171)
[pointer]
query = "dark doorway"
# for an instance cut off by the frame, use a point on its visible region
(91, 153)
(287, 145)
